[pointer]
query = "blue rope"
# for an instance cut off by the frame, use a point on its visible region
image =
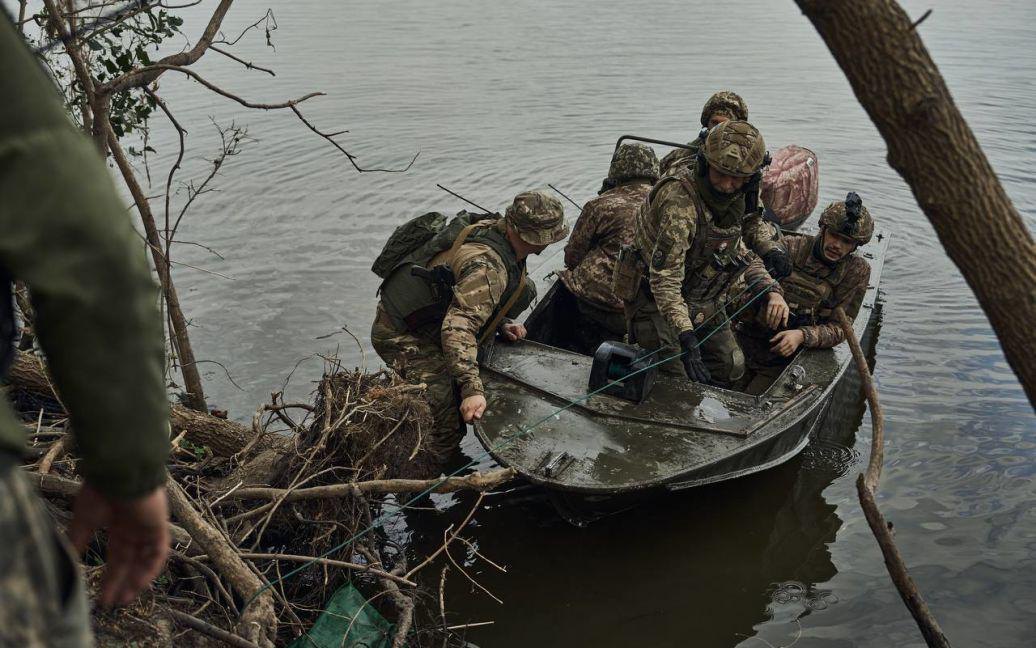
(486, 454)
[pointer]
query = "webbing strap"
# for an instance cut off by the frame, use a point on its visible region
(459, 241)
(503, 311)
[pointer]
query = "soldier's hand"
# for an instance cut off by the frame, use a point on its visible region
(138, 539)
(777, 311)
(693, 365)
(777, 263)
(513, 331)
(472, 408)
(786, 343)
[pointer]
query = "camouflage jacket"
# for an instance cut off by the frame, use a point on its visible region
(481, 282)
(678, 157)
(605, 225)
(849, 278)
(666, 229)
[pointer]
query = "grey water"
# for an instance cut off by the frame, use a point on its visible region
(502, 97)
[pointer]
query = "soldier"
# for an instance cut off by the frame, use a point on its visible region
(435, 339)
(826, 274)
(64, 232)
(689, 248)
(722, 106)
(605, 225)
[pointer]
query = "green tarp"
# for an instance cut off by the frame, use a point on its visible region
(349, 621)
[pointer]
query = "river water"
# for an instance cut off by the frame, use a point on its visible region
(498, 98)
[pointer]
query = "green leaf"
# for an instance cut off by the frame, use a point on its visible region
(95, 46)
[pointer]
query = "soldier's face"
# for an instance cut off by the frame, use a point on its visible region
(724, 183)
(716, 120)
(837, 246)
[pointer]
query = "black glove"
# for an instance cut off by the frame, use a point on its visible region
(777, 263)
(691, 359)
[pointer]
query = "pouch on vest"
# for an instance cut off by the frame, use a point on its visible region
(627, 273)
(405, 239)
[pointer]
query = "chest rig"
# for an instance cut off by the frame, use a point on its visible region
(715, 258)
(811, 285)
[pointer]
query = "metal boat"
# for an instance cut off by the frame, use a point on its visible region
(599, 453)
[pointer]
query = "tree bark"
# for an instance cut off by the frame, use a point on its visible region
(932, 147)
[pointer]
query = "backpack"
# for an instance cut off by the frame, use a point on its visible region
(790, 186)
(405, 239)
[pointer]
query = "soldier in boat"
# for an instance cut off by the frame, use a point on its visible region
(689, 248)
(605, 225)
(430, 324)
(722, 106)
(826, 273)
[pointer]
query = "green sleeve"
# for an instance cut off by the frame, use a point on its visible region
(66, 234)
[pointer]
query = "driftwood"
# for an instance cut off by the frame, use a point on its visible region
(474, 481)
(224, 438)
(268, 557)
(258, 622)
(867, 488)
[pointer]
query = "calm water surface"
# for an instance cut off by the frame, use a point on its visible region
(499, 98)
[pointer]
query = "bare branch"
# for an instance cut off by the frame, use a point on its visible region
(268, 18)
(247, 64)
(352, 159)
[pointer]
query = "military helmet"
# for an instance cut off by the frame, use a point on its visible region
(726, 103)
(849, 218)
(632, 161)
(735, 148)
(537, 217)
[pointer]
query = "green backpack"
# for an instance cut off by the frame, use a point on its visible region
(405, 239)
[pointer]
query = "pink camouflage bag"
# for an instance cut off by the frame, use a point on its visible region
(790, 186)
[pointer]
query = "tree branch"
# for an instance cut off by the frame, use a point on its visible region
(867, 488)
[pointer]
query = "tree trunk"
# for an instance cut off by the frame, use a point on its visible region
(933, 149)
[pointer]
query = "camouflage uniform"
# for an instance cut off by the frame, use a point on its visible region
(446, 358)
(43, 601)
(693, 244)
(724, 102)
(64, 231)
(606, 224)
(813, 291)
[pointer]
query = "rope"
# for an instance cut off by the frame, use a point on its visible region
(384, 517)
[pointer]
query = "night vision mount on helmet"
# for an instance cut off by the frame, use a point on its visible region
(849, 218)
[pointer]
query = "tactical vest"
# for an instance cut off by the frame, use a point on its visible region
(419, 306)
(714, 259)
(810, 286)
(7, 327)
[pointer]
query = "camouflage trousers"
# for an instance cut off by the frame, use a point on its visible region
(762, 366)
(42, 597)
(720, 351)
(420, 360)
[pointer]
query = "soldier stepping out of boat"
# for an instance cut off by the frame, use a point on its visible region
(604, 226)
(432, 333)
(689, 248)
